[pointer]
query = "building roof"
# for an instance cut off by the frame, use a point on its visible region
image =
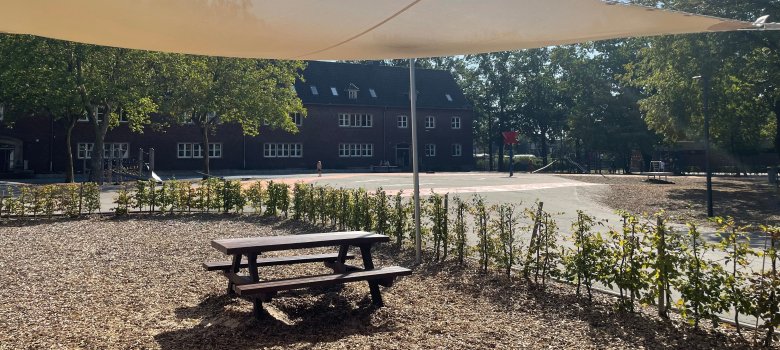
(377, 85)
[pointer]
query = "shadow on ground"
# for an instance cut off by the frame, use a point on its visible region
(298, 320)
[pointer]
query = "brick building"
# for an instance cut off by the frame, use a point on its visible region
(358, 115)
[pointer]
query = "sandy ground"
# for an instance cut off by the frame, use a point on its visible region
(138, 283)
(747, 199)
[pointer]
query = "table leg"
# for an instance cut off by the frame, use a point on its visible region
(257, 304)
(236, 266)
(368, 264)
(343, 250)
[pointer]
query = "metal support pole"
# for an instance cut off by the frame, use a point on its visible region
(511, 160)
(151, 161)
(415, 159)
(140, 162)
(705, 110)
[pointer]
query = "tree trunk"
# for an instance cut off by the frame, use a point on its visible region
(501, 156)
(490, 143)
(69, 175)
(205, 148)
(101, 128)
(777, 126)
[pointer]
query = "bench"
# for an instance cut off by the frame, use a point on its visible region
(383, 276)
(245, 253)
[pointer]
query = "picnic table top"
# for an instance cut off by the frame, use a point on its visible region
(272, 243)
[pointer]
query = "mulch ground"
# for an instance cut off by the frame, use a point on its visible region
(748, 199)
(138, 283)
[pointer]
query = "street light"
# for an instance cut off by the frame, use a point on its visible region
(705, 85)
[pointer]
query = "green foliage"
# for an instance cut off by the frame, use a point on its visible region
(481, 217)
(764, 287)
(278, 199)
(542, 256)
(700, 285)
(256, 195)
(630, 277)
(591, 260)
(735, 242)
(505, 227)
(69, 200)
(460, 229)
(379, 203)
(399, 218)
(123, 201)
(143, 194)
(234, 200)
(91, 197)
(437, 213)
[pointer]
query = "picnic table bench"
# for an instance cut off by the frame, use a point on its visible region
(245, 252)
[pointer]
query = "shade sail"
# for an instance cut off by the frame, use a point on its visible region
(343, 29)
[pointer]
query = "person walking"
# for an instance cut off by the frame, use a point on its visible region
(319, 168)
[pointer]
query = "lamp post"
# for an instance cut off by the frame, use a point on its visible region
(705, 85)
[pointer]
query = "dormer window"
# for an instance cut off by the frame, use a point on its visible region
(352, 90)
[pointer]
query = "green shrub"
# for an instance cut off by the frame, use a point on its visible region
(460, 229)
(507, 240)
(256, 195)
(69, 201)
(91, 197)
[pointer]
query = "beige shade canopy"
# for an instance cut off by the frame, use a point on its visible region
(343, 29)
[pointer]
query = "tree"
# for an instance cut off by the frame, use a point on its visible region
(66, 80)
(490, 82)
(208, 91)
(37, 81)
(545, 103)
(741, 68)
(112, 82)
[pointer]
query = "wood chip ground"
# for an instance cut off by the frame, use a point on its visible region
(138, 283)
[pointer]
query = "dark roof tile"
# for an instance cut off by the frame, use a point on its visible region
(391, 85)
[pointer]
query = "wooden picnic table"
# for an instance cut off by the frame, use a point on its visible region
(245, 252)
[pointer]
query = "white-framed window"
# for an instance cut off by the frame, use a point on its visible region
(352, 94)
(84, 150)
(215, 150)
(123, 117)
(195, 150)
(403, 121)
(297, 119)
(116, 150)
(184, 150)
(99, 112)
(356, 150)
(457, 150)
(430, 122)
(430, 150)
(282, 150)
(356, 120)
(455, 122)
